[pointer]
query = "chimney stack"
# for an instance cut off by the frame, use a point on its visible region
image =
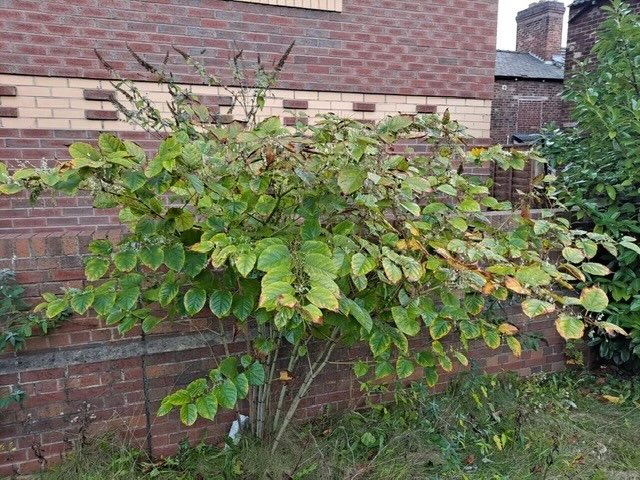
(540, 29)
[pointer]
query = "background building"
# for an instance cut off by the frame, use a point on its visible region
(529, 81)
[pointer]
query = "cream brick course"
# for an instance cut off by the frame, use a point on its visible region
(20, 101)
(303, 95)
(35, 112)
(56, 123)
(51, 102)
(46, 103)
(51, 81)
(28, 91)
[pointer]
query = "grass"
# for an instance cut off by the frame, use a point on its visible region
(565, 426)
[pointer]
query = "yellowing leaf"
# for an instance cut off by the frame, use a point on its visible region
(594, 299)
(570, 327)
(507, 329)
(391, 270)
(612, 329)
(515, 346)
(612, 399)
(534, 308)
(515, 286)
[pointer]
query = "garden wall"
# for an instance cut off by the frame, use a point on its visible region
(85, 378)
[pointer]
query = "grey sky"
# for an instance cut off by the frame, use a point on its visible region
(507, 11)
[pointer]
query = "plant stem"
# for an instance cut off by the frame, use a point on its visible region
(317, 367)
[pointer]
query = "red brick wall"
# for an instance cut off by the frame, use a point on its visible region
(436, 47)
(524, 106)
(583, 25)
(85, 376)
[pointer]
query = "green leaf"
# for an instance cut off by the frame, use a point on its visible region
(431, 376)
(594, 299)
(150, 322)
(96, 268)
(404, 368)
(573, 255)
(379, 343)
(534, 308)
(406, 324)
(100, 247)
(152, 256)
(242, 386)
(188, 414)
(469, 205)
(274, 256)
(361, 264)
(174, 257)
(167, 292)
(82, 301)
(491, 337)
(474, 304)
(242, 307)
(220, 303)
(165, 408)
(194, 300)
(533, 276)
(469, 330)
(631, 246)
(125, 261)
(458, 223)
(595, 269)
(56, 307)
(411, 207)
(570, 327)
(360, 369)
(255, 374)
(227, 394)
(109, 143)
(179, 398)
(134, 180)
(448, 189)
(229, 367)
(207, 406)
(85, 152)
(244, 263)
(426, 358)
(445, 362)
(323, 298)
(194, 263)
(103, 301)
(361, 315)
(439, 328)
(384, 369)
(351, 179)
(127, 297)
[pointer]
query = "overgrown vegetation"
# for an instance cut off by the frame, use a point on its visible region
(310, 239)
(598, 167)
(484, 427)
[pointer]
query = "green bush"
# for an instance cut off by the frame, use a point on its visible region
(308, 239)
(598, 168)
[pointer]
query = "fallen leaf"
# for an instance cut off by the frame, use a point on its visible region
(612, 399)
